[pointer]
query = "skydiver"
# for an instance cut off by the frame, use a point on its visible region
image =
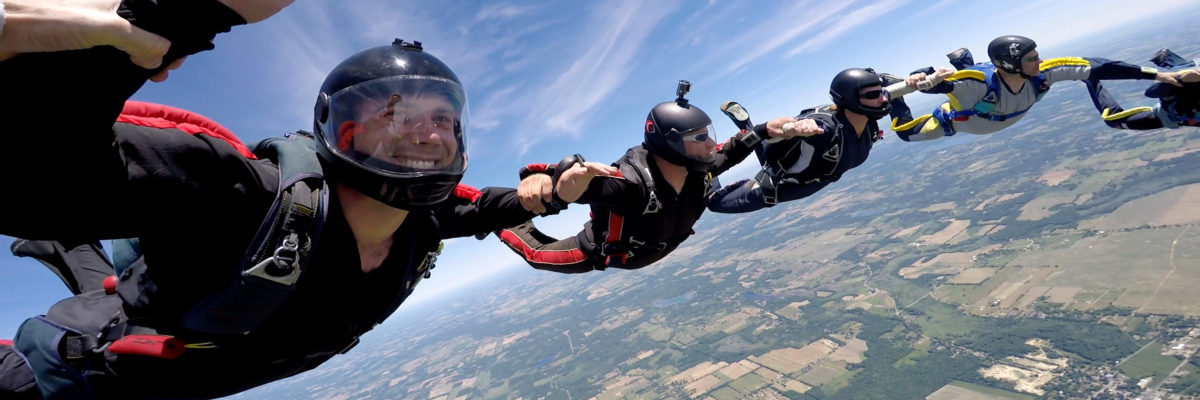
(1177, 106)
(992, 96)
(641, 214)
(185, 320)
(823, 143)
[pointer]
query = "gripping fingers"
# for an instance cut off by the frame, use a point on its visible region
(600, 169)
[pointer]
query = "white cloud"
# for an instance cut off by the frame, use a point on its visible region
(764, 39)
(841, 25)
(613, 38)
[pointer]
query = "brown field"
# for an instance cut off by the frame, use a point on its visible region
(1039, 208)
(795, 386)
(1053, 178)
(736, 370)
(1019, 286)
(945, 263)
(973, 276)
(703, 385)
(955, 227)
(1192, 148)
(791, 360)
(947, 206)
(1152, 270)
(851, 352)
(698, 371)
(952, 392)
(1083, 198)
(997, 199)
(826, 245)
(1062, 295)
(820, 375)
(1173, 206)
(1031, 296)
(906, 232)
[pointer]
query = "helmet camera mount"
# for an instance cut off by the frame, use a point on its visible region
(682, 90)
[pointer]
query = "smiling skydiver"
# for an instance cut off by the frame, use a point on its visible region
(258, 265)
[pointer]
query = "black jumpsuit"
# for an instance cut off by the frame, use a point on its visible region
(648, 229)
(195, 203)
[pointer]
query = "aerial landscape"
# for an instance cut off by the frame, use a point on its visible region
(1056, 259)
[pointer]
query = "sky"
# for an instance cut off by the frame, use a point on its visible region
(549, 79)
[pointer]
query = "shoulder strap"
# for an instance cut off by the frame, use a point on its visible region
(635, 169)
(276, 258)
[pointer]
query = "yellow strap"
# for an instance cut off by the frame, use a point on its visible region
(910, 124)
(202, 345)
(1124, 114)
(968, 74)
(1064, 61)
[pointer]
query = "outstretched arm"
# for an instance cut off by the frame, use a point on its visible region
(472, 211)
(35, 26)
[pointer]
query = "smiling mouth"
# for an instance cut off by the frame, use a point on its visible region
(409, 161)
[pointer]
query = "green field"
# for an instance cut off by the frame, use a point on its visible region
(1149, 362)
(959, 390)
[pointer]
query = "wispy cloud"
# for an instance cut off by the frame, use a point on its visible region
(763, 41)
(845, 24)
(502, 11)
(609, 43)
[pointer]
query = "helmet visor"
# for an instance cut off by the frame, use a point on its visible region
(400, 125)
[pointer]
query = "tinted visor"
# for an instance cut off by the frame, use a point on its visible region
(694, 144)
(400, 126)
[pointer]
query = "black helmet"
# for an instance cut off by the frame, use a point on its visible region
(844, 92)
(671, 123)
(1006, 52)
(391, 122)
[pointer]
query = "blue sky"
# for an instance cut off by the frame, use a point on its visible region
(548, 79)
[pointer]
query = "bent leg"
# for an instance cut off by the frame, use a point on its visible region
(925, 127)
(790, 189)
(16, 378)
(1138, 118)
(739, 197)
(81, 266)
(544, 252)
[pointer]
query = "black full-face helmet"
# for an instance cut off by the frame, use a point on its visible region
(846, 85)
(1006, 52)
(391, 122)
(671, 123)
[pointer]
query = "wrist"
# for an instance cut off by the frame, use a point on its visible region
(1151, 72)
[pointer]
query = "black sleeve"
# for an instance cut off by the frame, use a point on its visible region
(90, 86)
(1159, 90)
(487, 210)
(611, 192)
(733, 151)
(942, 87)
(59, 109)
(143, 179)
(828, 124)
(1108, 69)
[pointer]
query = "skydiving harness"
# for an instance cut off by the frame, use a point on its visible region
(79, 333)
(619, 245)
(1171, 117)
(774, 170)
(983, 108)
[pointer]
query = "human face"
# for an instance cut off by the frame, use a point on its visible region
(696, 148)
(414, 132)
(1031, 63)
(879, 96)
